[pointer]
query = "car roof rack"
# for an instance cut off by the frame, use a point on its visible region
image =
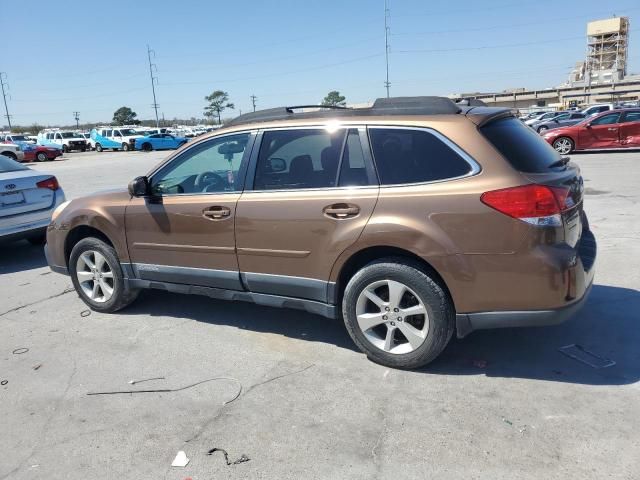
(381, 107)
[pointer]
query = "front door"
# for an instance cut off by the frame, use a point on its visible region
(314, 190)
(601, 132)
(630, 129)
(184, 231)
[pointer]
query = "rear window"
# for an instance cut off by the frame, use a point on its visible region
(414, 156)
(9, 165)
(520, 145)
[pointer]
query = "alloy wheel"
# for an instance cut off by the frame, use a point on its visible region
(562, 145)
(392, 317)
(95, 276)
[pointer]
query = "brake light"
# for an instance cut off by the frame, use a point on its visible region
(51, 183)
(535, 204)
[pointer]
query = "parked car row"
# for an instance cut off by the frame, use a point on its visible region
(611, 129)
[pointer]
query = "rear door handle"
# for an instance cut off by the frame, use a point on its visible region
(217, 212)
(341, 210)
(613, 129)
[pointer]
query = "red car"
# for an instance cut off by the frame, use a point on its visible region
(610, 129)
(41, 153)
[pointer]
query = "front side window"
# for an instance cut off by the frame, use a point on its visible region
(414, 156)
(300, 158)
(606, 119)
(211, 167)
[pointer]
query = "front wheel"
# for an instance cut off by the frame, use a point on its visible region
(125, 147)
(97, 276)
(542, 129)
(65, 149)
(563, 145)
(396, 314)
(41, 157)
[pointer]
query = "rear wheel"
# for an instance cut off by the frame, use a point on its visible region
(147, 147)
(98, 147)
(41, 157)
(11, 155)
(97, 276)
(65, 149)
(125, 146)
(542, 129)
(396, 314)
(563, 145)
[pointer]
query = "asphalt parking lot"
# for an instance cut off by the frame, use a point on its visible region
(497, 405)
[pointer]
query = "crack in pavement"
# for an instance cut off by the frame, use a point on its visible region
(64, 292)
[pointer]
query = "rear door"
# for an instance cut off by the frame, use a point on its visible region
(630, 129)
(310, 193)
(601, 132)
(184, 232)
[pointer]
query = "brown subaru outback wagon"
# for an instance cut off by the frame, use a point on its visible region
(411, 219)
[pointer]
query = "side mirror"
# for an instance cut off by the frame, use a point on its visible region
(139, 187)
(587, 125)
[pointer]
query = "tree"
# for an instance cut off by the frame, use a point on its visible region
(125, 116)
(334, 99)
(218, 103)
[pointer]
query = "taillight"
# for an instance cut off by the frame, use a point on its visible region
(51, 183)
(535, 204)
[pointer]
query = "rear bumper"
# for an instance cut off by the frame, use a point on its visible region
(581, 273)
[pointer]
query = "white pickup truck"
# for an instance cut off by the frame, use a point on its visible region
(12, 151)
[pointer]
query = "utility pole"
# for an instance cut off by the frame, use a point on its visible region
(387, 84)
(3, 78)
(76, 115)
(253, 101)
(153, 82)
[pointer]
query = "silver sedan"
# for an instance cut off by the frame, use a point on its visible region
(27, 200)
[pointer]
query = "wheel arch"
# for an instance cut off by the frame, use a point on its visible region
(362, 257)
(81, 232)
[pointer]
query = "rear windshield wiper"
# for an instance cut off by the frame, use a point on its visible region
(560, 163)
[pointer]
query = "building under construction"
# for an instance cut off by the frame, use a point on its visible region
(601, 77)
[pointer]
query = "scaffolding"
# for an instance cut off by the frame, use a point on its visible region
(607, 45)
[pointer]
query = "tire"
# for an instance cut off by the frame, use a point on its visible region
(38, 240)
(146, 146)
(543, 129)
(563, 145)
(65, 149)
(41, 157)
(430, 331)
(98, 147)
(11, 155)
(88, 251)
(84, 149)
(125, 147)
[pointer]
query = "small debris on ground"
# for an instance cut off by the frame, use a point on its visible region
(480, 363)
(37, 367)
(85, 313)
(509, 422)
(181, 460)
(4, 382)
(243, 458)
(20, 351)
(581, 354)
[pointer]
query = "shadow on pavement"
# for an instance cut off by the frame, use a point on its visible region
(20, 256)
(608, 325)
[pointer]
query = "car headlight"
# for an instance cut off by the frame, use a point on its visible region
(59, 210)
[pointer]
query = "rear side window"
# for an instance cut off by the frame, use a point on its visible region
(414, 156)
(606, 119)
(631, 117)
(520, 145)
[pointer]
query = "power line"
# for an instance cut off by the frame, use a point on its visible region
(3, 78)
(386, 44)
(153, 82)
(253, 101)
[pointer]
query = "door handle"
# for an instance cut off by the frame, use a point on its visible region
(341, 210)
(216, 213)
(612, 129)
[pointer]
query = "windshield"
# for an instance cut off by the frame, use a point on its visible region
(69, 135)
(8, 165)
(19, 138)
(128, 131)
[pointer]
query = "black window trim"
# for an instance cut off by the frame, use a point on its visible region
(249, 185)
(242, 171)
(475, 166)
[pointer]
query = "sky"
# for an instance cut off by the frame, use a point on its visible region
(93, 59)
